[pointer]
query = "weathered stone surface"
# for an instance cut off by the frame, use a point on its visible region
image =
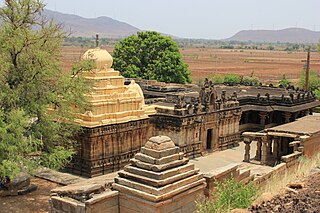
(158, 161)
(159, 175)
(78, 189)
(153, 198)
(156, 183)
(159, 143)
(58, 177)
(159, 154)
(19, 185)
(159, 190)
(159, 168)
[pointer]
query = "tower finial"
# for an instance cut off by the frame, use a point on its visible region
(97, 40)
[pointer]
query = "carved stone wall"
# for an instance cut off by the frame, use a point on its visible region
(109, 148)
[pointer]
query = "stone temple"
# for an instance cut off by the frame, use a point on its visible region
(123, 114)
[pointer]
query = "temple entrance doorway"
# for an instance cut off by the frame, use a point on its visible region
(209, 139)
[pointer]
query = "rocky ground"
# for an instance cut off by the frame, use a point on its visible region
(36, 201)
(295, 199)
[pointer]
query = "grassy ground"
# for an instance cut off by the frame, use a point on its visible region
(278, 182)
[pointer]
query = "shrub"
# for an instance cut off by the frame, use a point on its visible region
(217, 79)
(250, 81)
(232, 79)
(317, 93)
(314, 81)
(284, 82)
(229, 195)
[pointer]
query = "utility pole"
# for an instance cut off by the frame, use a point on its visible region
(307, 70)
(97, 40)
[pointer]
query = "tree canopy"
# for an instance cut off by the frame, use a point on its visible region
(150, 55)
(37, 97)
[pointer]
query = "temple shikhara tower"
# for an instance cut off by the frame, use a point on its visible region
(110, 102)
(115, 122)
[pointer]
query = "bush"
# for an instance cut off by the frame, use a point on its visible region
(317, 93)
(250, 81)
(314, 81)
(284, 82)
(217, 79)
(229, 195)
(232, 79)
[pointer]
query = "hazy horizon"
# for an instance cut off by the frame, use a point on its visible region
(210, 19)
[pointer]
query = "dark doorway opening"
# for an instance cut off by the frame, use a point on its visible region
(209, 138)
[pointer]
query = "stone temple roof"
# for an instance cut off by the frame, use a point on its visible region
(101, 57)
(110, 101)
(159, 172)
(307, 125)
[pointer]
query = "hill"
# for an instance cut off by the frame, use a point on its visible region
(291, 35)
(87, 27)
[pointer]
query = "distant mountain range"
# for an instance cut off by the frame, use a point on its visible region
(291, 35)
(87, 27)
(110, 28)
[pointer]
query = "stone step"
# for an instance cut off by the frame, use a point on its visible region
(158, 190)
(159, 175)
(158, 168)
(159, 154)
(154, 198)
(158, 161)
(153, 182)
(243, 173)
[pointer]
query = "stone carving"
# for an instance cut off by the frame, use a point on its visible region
(268, 96)
(223, 96)
(258, 96)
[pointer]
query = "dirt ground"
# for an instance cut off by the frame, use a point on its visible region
(36, 201)
(306, 199)
(203, 62)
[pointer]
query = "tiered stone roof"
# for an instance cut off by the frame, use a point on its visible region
(159, 172)
(110, 101)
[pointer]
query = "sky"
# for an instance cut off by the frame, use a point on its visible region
(211, 19)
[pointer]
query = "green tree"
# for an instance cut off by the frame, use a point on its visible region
(37, 97)
(150, 55)
(314, 81)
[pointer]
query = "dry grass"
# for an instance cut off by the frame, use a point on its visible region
(268, 66)
(278, 182)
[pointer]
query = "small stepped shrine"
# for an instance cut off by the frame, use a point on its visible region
(159, 179)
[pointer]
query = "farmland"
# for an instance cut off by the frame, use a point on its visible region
(267, 65)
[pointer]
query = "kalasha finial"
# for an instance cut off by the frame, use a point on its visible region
(97, 40)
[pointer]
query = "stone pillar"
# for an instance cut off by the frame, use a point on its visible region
(258, 152)
(263, 116)
(275, 153)
(271, 117)
(270, 147)
(247, 141)
(295, 145)
(285, 145)
(265, 151)
(287, 116)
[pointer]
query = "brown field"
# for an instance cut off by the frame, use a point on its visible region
(267, 65)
